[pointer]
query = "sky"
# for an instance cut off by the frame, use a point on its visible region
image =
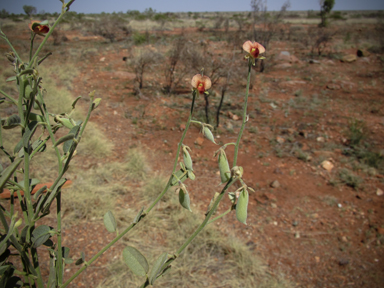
(109, 6)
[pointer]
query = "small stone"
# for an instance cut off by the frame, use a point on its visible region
(275, 184)
(295, 223)
(297, 235)
(102, 59)
(235, 117)
(349, 58)
(313, 61)
(327, 165)
(280, 139)
(273, 205)
(333, 87)
(315, 215)
(317, 259)
(320, 139)
(379, 192)
(275, 223)
(199, 141)
(344, 239)
(343, 262)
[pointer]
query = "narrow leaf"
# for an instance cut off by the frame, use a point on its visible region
(7, 173)
(139, 216)
(67, 137)
(156, 268)
(40, 235)
(12, 78)
(110, 222)
(74, 102)
(29, 131)
(67, 145)
(135, 261)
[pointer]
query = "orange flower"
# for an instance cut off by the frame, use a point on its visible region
(253, 49)
(38, 28)
(201, 83)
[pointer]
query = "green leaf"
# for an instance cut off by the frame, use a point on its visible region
(65, 138)
(110, 222)
(37, 143)
(18, 146)
(11, 122)
(29, 131)
(156, 268)
(40, 235)
(191, 175)
(7, 173)
(184, 199)
(41, 190)
(12, 78)
(139, 216)
(68, 144)
(242, 206)
(80, 260)
(74, 102)
(135, 261)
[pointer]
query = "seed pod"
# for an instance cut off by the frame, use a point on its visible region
(208, 134)
(242, 206)
(184, 198)
(187, 158)
(28, 91)
(225, 171)
(191, 175)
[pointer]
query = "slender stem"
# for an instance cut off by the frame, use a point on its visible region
(177, 155)
(8, 97)
(31, 47)
(98, 255)
(205, 222)
(59, 262)
(244, 113)
(146, 211)
(220, 216)
(36, 264)
(46, 38)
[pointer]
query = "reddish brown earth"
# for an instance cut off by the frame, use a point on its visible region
(313, 242)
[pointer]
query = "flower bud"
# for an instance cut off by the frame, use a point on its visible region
(225, 172)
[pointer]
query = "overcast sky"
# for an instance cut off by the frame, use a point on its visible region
(97, 6)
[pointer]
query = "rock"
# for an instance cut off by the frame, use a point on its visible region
(235, 117)
(343, 261)
(317, 259)
(283, 66)
(275, 184)
(343, 239)
(313, 61)
(102, 59)
(280, 139)
(297, 235)
(199, 141)
(329, 62)
(379, 192)
(288, 84)
(348, 58)
(284, 56)
(327, 165)
(320, 139)
(333, 87)
(273, 205)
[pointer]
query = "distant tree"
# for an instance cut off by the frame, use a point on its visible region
(325, 8)
(29, 10)
(4, 13)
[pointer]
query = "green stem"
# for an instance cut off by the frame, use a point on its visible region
(97, 255)
(177, 155)
(8, 97)
(59, 262)
(205, 222)
(244, 114)
(36, 264)
(220, 216)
